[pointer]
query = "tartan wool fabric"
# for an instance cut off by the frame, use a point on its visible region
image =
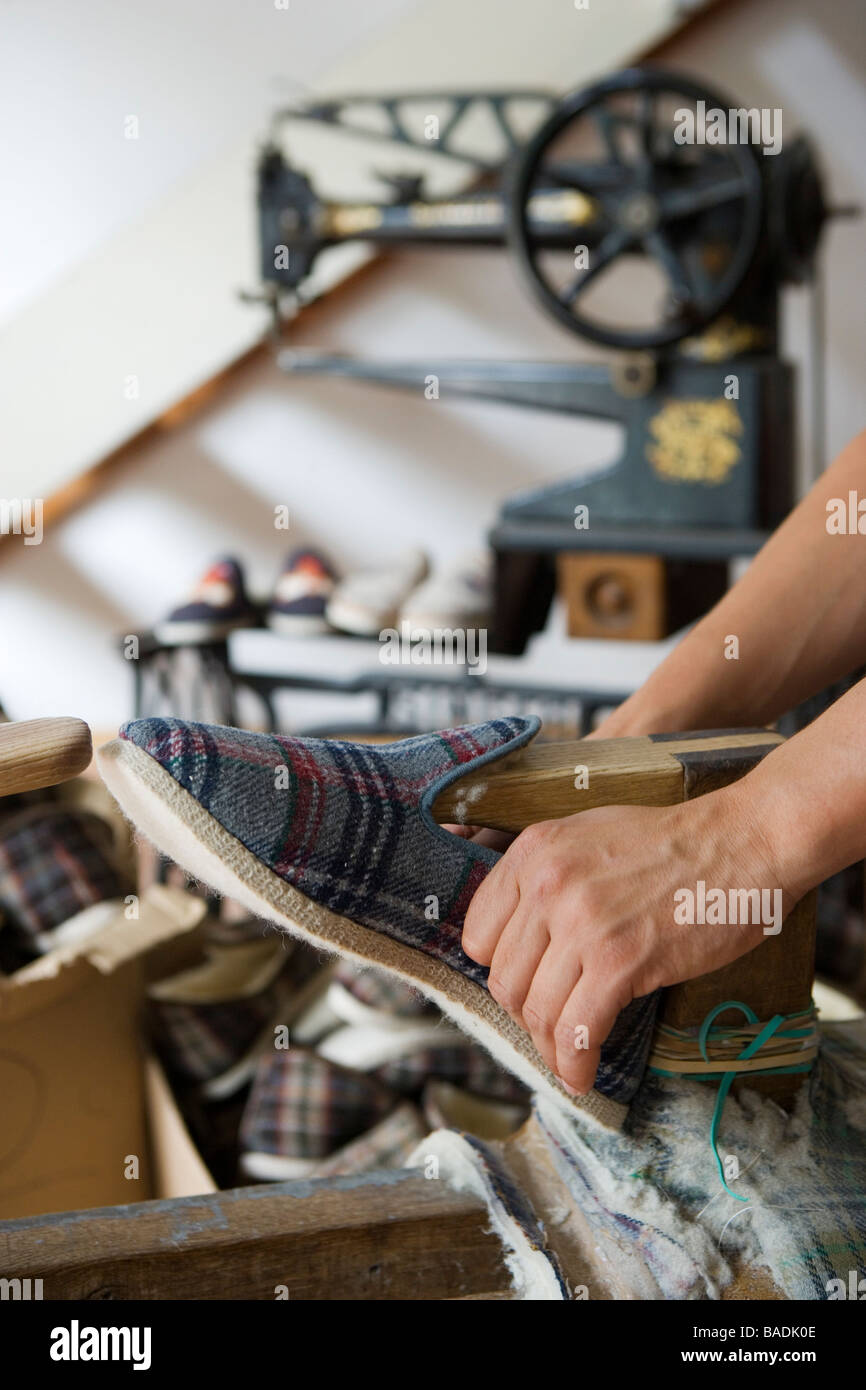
(302, 1106)
(461, 1064)
(200, 1041)
(350, 827)
(54, 862)
(377, 991)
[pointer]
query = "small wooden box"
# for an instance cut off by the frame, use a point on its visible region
(635, 597)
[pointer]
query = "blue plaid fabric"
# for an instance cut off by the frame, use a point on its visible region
(462, 1065)
(54, 862)
(302, 1106)
(350, 826)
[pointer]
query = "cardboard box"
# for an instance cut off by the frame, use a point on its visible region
(74, 1130)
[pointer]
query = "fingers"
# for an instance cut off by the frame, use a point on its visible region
(492, 905)
(516, 959)
(547, 996)
(585, 1020)
(480, 835)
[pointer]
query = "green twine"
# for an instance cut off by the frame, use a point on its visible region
(729, 1077)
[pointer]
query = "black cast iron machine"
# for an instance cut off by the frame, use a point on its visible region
(670, 251)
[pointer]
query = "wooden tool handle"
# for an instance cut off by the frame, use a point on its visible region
(42, 752)
(548, 780)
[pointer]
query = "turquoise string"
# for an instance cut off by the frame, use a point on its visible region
(769, 1030)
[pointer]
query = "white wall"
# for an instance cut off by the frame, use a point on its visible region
(365, 471)
(192, 72)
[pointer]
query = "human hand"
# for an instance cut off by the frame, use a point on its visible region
(577, 918)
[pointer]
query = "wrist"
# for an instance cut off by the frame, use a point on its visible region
(768, 828)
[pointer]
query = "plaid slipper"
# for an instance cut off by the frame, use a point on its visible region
(387, 1145)
(371, 997)
(302, 1109)
(406, 1059)
(55, 862)
(205, 1018)
(336, 842)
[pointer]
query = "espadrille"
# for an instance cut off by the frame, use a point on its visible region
(57, 863)
(336, 842)
(205, 1018)
(303, 1110)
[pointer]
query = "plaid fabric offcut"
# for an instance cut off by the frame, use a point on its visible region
(54, 862)
(302, 1106)
(200, 1041)
(379, 991)
(387, 1145)
(348, 825)
(467, 1066)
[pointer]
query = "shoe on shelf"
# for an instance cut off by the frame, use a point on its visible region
(300, 596)
(459, 596)
(369, 600)
(218, 604)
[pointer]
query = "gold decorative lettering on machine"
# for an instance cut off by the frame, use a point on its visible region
(351, 219)
(483, 212)
(724, 338)
(564, 207)
(696, 441)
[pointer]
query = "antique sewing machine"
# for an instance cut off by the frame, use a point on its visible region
(671, 253)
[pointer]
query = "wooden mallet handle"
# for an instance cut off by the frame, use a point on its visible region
(42, 752)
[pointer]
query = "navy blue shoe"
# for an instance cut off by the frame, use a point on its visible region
(217, 606)
(301, 595)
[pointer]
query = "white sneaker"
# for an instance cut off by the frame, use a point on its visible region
(369, 600)
(458, 597)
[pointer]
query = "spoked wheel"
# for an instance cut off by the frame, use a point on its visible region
(690, 211)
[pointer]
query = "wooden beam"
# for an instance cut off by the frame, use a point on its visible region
(380, 1236)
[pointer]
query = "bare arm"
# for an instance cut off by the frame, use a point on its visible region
(577, 917)
(799, 616)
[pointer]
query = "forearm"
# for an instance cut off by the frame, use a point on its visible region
(807, 799)
(798, 616)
